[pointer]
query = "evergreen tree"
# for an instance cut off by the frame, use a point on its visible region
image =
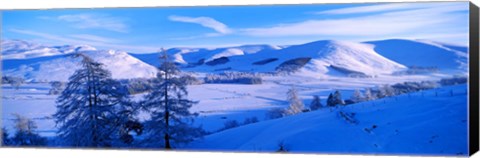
(368, 95)
(389, 90)
(315, 104)
(357, 96)
(87, 110)
(5, 139)
(296, 104)
(57, 87)
(385, 91)
(275, 113)
(25, 134)
(171, 121)
(15, 82)
(337, 98)
(330, 100)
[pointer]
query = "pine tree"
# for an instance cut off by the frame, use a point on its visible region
(5, 139)
(389, 90)
(330, 100)
(87, 110)
(57, 87)
(385, 91)
(296, 104)
(337, 98)
(315, 104)
(171, 121)
(368, 94)
(25, 134)
(357, 96)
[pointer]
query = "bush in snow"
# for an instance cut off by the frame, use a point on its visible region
(412, 70)
(296, 104)
(368, 95)
(349, 101)
(57, 87)
(5, 139)
(170, 121)
(15, 82)
(335, 99)
(137, 85)
(92, 108)
(385, 91)
(282, 147)
(234, 77)
(127, 128)
(315, 104)
(357, 96)
(230, 124)
(275, 113)
(190, 80)
(454, 80)
(25, 134)
(250, 120)
(407, 87)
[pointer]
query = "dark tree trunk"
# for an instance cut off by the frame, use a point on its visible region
(167, 115)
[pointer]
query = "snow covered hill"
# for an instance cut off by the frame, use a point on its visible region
(327, 57)
(18, 49)
(314, 59)
(187, 56)
(59, 67)
(317, 57)
(423, 53)
(432, 122)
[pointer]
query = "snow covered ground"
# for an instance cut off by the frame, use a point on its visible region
(218, 103)
(419, 123)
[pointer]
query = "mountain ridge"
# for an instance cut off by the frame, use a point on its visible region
(322, 57)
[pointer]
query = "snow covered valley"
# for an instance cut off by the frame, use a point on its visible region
(431, 122)
(239, 87)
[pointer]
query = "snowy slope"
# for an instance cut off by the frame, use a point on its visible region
(194, 55)
(424, 53)
(320, 58)
(352, 56)
(18, 49)
(323, 54)
(60, 67)
(419, 123)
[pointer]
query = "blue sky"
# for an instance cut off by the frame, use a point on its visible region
(143, 30)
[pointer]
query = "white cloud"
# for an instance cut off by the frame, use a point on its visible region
(88, 37)
(395, 21)
(373, 8)
(85, 39)
(204, 21)
(94, 21)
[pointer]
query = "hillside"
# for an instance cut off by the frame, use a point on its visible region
(59, 67)
(324, 58)
(424, 54)
(419, 123)
(18, 49)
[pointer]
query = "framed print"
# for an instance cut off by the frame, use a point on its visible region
(355, 78)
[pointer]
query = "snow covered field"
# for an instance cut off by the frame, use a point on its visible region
(427, 122)
(418, 123)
